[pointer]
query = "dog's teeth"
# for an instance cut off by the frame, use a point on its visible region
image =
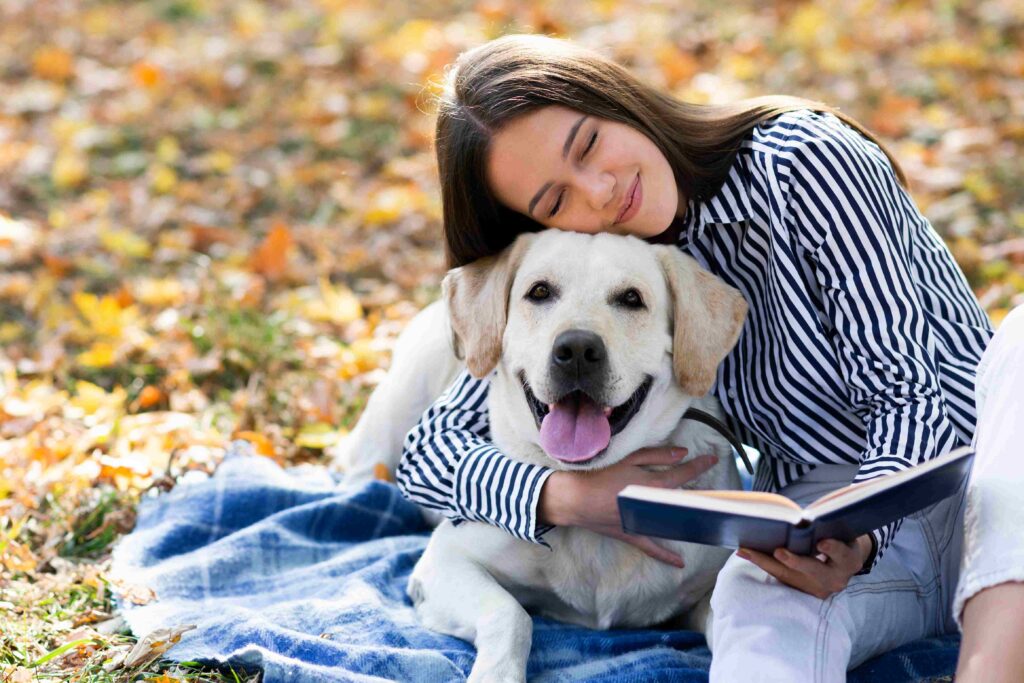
(551, 406)
(607, 411)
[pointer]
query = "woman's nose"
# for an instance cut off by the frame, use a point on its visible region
(598, 188)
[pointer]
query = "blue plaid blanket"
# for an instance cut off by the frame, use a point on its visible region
(285, 571)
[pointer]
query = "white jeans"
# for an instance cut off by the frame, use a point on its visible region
(764, 630)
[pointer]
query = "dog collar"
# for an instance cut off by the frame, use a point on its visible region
(718, 426)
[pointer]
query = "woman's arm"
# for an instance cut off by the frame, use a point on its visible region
(449, 464)
(860, 228)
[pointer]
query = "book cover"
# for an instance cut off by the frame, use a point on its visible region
(765, 521)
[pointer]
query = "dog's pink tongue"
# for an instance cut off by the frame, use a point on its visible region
(574, 430)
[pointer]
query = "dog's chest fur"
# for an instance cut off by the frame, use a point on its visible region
(593, 580)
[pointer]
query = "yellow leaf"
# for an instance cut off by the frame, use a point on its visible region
(99, 355)
(125, 243)
(317, 435)
(17, 557)
(357, 358)
(70, 169)
(166, 292)
(250, 19)
(389, 204)
(951, 53)
(981, 187)
(10, 331)
(337, 304)
(168, 150)
(53, 63)
(219, 161)
(806, 25)
(163, 179)
(90, 398)
(742, 67)
(105, 317)
(996, 315)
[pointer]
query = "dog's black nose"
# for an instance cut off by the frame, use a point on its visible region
(578, 349)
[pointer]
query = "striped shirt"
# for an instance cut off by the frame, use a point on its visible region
(860, 344)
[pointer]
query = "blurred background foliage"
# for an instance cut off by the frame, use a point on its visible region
(216, 216)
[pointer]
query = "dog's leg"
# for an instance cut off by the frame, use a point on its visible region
(699, 619)
(462, 599)
(423, 365)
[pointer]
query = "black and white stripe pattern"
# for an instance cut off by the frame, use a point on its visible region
(860, 345)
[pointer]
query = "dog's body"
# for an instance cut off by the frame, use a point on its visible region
(576, 341)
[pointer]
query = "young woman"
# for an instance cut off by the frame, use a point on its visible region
(859, 356)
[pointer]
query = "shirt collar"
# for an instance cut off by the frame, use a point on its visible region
(730, 204)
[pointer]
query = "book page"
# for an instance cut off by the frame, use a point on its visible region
(746, 503)
(749, 496)
(854, 492)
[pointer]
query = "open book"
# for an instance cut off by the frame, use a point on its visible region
(765, 521)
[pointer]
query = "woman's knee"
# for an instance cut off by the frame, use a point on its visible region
(745, 589)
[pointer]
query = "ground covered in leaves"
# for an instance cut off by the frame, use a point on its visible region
(216, 216)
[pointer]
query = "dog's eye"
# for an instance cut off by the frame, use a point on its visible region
(539, 292)
(631, 299)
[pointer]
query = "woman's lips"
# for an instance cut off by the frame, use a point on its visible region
(636, 195)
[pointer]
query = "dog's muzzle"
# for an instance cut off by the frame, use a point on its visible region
(578, 425)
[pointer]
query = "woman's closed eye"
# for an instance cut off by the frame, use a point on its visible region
(586, 150)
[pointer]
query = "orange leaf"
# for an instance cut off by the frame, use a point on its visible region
(271, 257)
(677, 65)
(53, 63)
(147, 75)
(57, 265)
(150, 396)
(261, 443)
(380, 471)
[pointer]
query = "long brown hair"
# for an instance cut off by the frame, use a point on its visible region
(511, 76)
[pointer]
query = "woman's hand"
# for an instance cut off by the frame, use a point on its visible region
(589, 499)
(818, 577)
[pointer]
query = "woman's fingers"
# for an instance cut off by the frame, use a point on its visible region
(786, 574)
(656, 456)
(842, 554)
(682, 474)
(652, 549)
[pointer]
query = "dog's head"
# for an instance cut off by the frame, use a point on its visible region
(602, 335)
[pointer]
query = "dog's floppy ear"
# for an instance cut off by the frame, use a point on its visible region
(477, 298)
(707, 316)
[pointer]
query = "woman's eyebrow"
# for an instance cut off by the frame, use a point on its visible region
(565, 152)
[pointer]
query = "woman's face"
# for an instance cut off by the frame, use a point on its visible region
(577, 172)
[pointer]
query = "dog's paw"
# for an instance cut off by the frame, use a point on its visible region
(499, 673)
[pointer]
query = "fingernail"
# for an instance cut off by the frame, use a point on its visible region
(743, 554)
(781, 554)
(679, 452)
(712, 460)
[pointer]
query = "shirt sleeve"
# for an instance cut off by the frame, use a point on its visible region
(449, 464)
(855, 222)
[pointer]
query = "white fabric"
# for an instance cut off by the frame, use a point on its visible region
(993, 528)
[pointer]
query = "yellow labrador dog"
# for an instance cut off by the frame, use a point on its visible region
(601, 343)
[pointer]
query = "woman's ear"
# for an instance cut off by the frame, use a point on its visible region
(707, 316)
(477, 298)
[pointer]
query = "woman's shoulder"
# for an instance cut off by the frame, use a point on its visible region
(802, 131)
